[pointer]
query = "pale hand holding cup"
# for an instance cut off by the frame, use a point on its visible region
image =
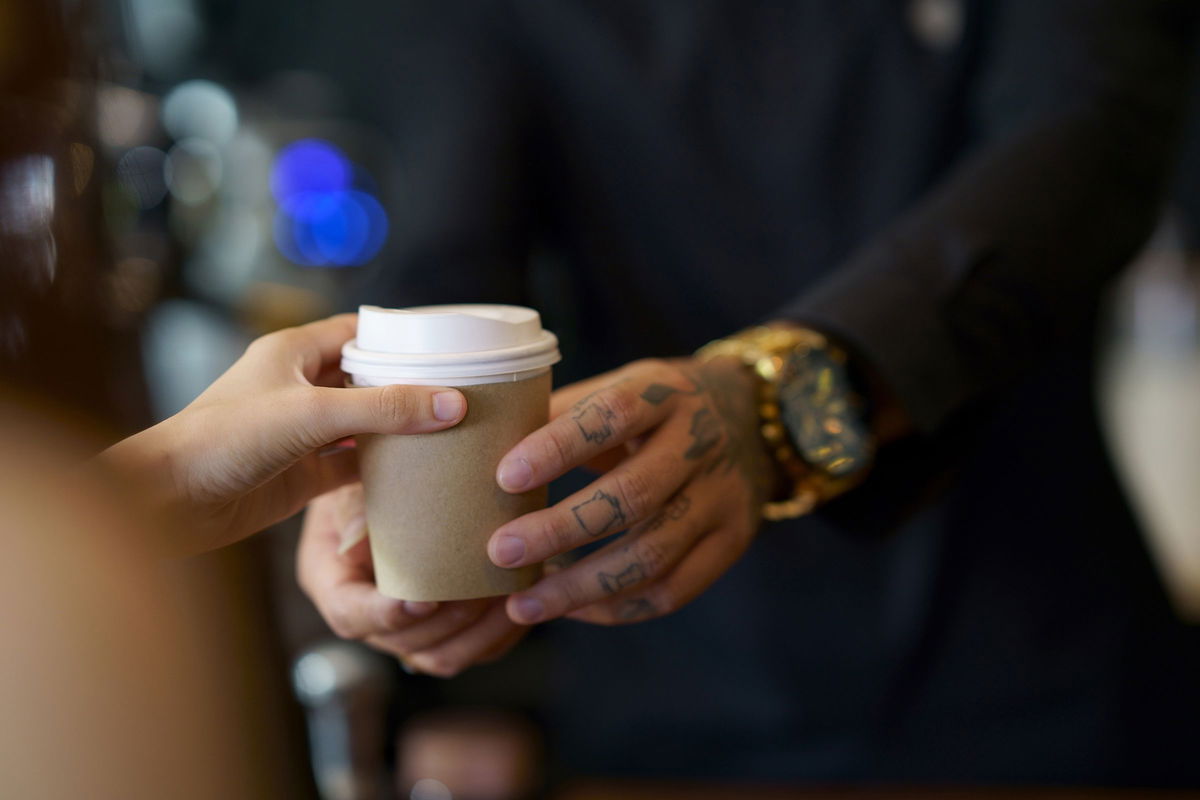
(261, 442)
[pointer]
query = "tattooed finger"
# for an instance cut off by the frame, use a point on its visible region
(692, 574)
(625, 404)
(633, 491)
(622, 566)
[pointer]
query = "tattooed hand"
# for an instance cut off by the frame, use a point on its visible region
(690, 477)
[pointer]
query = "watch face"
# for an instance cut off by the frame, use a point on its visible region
(823, 415)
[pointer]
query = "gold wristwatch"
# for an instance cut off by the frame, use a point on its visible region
(813, 421)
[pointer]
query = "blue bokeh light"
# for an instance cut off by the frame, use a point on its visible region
(309, 165)
(327, 215)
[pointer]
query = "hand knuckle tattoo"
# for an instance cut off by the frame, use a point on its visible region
(600, 514)
(596, 422)
(622, 406)
(634, 609)
(651, 557)
(614, 582)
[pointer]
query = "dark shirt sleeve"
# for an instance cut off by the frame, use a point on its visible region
(456, 102)
(1078, 114)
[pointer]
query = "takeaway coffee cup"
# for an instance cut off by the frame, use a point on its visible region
(432, 499)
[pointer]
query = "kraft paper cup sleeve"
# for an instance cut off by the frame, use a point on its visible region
(433, 501)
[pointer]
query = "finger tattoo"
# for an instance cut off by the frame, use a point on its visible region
(673, 510)
(706, 431)
(656, 393)
(613, 583)
(595, 423)
(600, 514)
(637, 608)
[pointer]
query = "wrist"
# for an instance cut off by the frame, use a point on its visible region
(144, 466)
(814, 421)
(774, 482)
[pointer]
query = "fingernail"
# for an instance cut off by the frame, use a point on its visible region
(508, 551)
(352, 533)
(529, 609)
(448, 406)
(419, 608)
(514, 475)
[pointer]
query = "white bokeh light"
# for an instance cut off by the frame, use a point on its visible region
(200, 110)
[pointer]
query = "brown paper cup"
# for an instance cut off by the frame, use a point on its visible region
(433, 502)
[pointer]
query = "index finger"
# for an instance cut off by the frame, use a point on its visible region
(600, 420)
(314, 348)
(323, 340)
(340, 585)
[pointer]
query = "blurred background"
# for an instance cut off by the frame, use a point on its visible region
(220, 169)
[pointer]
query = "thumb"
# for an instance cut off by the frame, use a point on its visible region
(342, 412)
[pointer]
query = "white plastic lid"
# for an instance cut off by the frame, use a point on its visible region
(457, 345)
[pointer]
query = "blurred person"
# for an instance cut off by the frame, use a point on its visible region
(110, 678)
(924, 201)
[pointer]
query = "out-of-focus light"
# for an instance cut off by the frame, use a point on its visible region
(314, 676)
(140, 173)
(187, 346)
(322, 219)
(297, 249)
(339, 229)
(430, 789)
(938, 24)
(234, 239)
(163, 33)
(247, 175)
(200, 110)
(124, 117)
(27, 195)
(308, 166)
(225, 255)
(27, 211)
(192, 171)
(134, 285)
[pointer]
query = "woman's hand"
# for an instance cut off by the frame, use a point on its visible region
(333, 567)
(261, 442)
(688, 474)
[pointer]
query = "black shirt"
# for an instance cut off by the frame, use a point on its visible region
(652, 175)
